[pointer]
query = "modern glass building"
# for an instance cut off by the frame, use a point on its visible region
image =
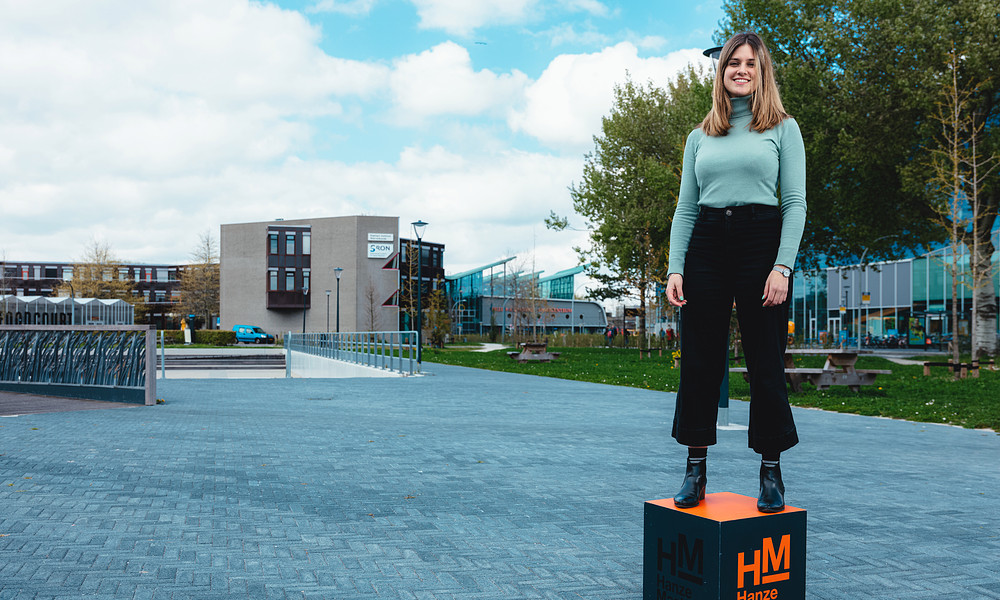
(494, 295)
(908, 299)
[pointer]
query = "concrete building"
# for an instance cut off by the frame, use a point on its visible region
(155, 288)
(281, 275)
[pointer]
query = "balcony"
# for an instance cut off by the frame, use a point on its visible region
(285, 300)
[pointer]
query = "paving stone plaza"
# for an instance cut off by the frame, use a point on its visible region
(463, 484)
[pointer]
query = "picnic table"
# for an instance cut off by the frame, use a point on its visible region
(839, 369)
(533, 351)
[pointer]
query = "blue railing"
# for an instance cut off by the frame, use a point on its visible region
(390, 350)
(103, 362)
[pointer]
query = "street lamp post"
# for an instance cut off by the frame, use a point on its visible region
(418, 230)
(338, 271)
(305, 294)
(327, 310)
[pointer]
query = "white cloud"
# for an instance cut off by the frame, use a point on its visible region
(442, 81)
(163, 87)
(463, 17)
(345, 7)
(565, 33)
(565, 105)
(149, 123)
(593, 7)
(649, 42)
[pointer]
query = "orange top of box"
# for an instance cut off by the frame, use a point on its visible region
(724, 506)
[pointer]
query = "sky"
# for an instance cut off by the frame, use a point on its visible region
(145, 124)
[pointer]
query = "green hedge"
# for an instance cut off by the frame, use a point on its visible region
(215, 337)
(172, 336)
(211, 337)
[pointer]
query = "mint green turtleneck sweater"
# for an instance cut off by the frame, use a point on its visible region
(742, 167)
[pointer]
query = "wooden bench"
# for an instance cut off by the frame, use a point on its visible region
(964, 368)
(533, 351)
(824, 378)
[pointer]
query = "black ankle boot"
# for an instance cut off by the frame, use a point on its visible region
(772, 490)
(693, 488)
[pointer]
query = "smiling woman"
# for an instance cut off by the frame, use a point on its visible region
(734, 240)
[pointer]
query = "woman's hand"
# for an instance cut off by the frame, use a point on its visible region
(775, 289)
(675, 290)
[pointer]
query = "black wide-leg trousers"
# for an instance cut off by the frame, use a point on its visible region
(729, 257)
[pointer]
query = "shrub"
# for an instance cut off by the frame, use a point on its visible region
(214, 337)
(173, 336)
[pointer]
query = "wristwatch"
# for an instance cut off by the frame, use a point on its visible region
(783, 270)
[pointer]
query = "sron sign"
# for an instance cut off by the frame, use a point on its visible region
(380, 250)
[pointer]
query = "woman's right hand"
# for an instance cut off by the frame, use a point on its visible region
(675, 290)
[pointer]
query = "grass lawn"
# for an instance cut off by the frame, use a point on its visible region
(906, 394)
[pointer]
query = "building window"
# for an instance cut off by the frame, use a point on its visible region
(272, 243)
(273, 278)
(305, 279)
(67, 273)
(290, 280)
(51, 272)
(161, 275)
(306, 242)
(123, 273)
(290, 243)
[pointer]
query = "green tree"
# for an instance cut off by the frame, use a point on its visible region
(200, 281)
(630, 183)
(436, 319)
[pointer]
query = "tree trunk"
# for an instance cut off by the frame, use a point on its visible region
(984, 324)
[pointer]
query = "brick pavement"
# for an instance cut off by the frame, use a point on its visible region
(465, 484)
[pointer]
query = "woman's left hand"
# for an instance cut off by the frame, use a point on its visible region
(775, 289)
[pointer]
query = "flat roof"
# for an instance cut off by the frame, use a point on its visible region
(479, 269)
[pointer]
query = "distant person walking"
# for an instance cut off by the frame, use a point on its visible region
(732, 238)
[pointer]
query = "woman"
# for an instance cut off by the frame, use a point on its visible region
(732, 239)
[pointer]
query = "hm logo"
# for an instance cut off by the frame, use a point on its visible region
(686, 563)
(767, 566)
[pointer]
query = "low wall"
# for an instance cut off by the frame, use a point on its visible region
(103, 362)
(301, 364)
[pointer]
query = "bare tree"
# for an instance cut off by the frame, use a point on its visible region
(200, 280)
(984, 304)
(408, 291)
(372, 307)
(955, 167)
(6, 284)
(99, 274)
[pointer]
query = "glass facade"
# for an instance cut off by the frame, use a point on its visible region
(905, 303)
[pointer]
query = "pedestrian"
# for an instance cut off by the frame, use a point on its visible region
(732, 238)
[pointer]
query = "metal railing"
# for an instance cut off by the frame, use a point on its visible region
(391, 350)
(99, 362)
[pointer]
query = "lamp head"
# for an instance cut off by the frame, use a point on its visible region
(418, 229)
(337, 272)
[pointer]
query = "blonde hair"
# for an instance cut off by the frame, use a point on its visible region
(765, 101)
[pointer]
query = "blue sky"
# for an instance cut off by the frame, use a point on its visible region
(146, 124)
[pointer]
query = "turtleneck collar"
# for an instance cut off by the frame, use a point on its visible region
(741, 107)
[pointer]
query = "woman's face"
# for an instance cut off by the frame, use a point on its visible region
(740, 76)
